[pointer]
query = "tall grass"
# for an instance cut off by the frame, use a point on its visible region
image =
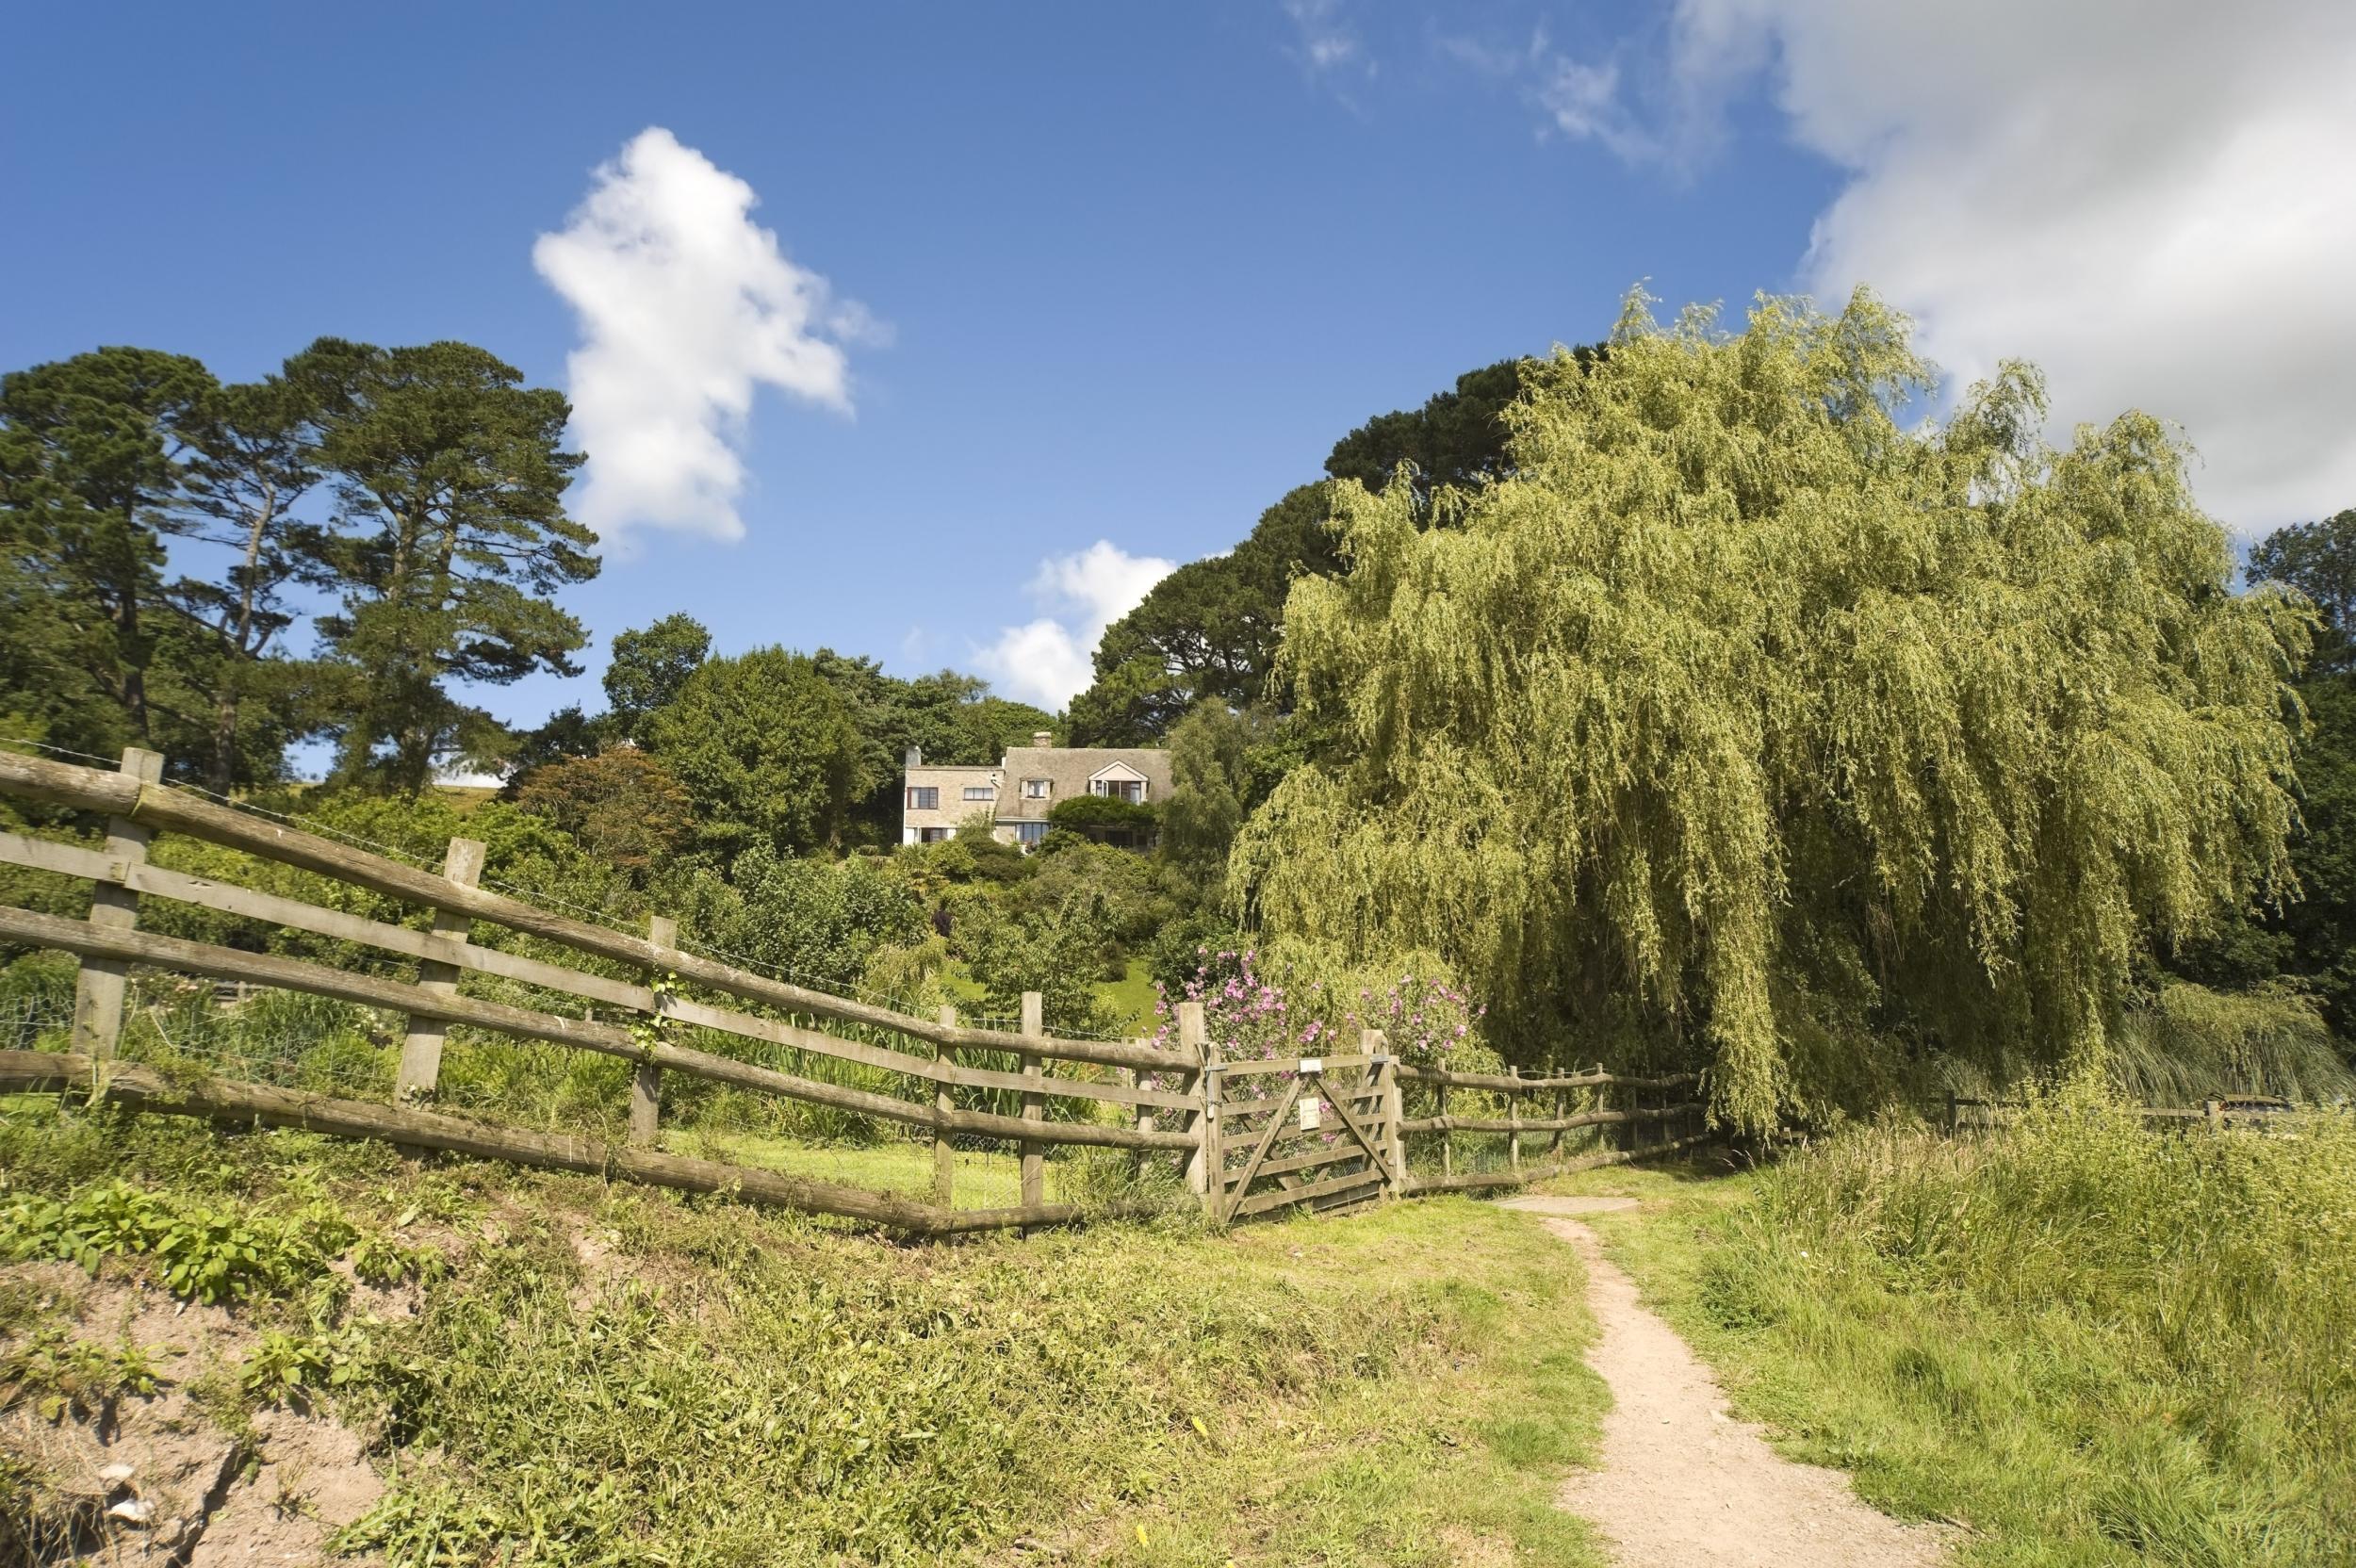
(2095, 1341)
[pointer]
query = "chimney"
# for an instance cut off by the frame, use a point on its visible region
(1043, 738)
(915, 756)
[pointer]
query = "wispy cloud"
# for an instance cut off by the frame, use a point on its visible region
(686, 307)
(1049, 660)
(2143, 200)
(1326, 42)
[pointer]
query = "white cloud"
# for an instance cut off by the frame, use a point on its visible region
(2153, 202)
(1048, 661)
(1326, 39)
(686, 307)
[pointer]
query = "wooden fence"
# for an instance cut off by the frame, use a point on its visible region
(1241, 1158)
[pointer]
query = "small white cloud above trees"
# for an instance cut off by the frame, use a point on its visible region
(686, 307)
(1049, 660)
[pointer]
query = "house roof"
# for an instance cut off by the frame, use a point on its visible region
(1068, 770)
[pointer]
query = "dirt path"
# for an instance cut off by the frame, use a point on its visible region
(1682, 1480)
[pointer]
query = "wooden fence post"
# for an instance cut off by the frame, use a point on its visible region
(1394, 1111)
(1204, 1169)
(646, 1087)
(945, 1102)
(99, 984)
(1514, 1115)
(422, 1048)
(1033, 1102)
(1562, 1110)
(1448, 1138)
(2213, 1112)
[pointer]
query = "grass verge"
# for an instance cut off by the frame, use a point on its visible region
(2085, 1342)
(598, 1374)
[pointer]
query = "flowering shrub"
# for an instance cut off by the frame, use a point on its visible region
(1254, 1010)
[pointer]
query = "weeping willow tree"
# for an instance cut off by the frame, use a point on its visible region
(1745, 723)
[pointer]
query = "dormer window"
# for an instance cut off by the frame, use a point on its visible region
(1129, 790)
(1035, 789)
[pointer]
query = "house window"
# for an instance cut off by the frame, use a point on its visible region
(1035, 789)
(935, 834)
(1029, 832)
(980, 791)
(1129, 790)
(924, 797)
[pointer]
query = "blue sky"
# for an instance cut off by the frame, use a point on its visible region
(1132, 268)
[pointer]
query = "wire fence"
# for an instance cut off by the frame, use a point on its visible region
(294, 1040)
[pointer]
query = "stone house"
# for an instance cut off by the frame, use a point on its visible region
(1024, 786)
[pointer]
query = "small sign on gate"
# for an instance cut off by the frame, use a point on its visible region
(1309, 1105)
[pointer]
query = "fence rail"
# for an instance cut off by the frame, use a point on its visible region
(1241, 1155)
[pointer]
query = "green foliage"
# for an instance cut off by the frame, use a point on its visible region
(1207, 775)
(1739, 715)
(1208, 632)
(449, 532)
(87, 480)
(2190, 1043)
(1085, 811)
(2312, 938)
(767, 751)
(2319, 560)
(648, 667)
(210, 1253)
(821, 921)
(1058, 951)
(622, 806)
(61, 1376)
(290, 1367)
(1459, 438)
(2092, 1342)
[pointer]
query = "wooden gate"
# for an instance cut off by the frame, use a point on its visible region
(1320, 1131)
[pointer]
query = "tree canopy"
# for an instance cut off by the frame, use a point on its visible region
(451, 533)
(766, 749)
(1737, 715)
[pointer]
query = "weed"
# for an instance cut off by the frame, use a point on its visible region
(61, 1376)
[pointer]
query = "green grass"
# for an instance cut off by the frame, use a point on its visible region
(984, 1179)
(1130, 999)
(2085, 1342)
(616, 1375)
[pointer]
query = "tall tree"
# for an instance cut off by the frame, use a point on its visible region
(1210, 630)
(1739, 715)
(1458, 437)
(768, 749)
(87, 480)
(450, 535)
(251, 450)
(648, 667)
(2319, 928)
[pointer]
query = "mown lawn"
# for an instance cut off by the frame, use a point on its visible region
(2082, 1342)
(601, 1373)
